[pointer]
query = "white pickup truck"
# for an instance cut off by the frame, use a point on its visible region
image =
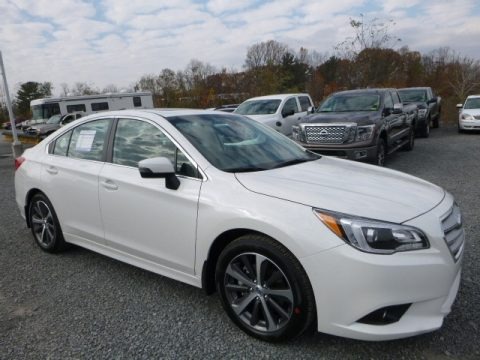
(280, 112)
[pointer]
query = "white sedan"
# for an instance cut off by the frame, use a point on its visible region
(289, 239)
(469, 114)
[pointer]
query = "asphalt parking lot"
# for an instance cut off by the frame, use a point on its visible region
(83, 305)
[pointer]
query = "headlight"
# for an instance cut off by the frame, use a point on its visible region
(467, 117)
(297, 133)
(373, 236)
(364, 133)
(422, 112)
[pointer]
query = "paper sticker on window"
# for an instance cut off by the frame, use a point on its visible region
(85, 140)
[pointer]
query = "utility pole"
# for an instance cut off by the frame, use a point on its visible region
(17, 147)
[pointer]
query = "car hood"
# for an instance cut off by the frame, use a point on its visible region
(474, 112)
(348, 187)
(263, 117)
(360, 117)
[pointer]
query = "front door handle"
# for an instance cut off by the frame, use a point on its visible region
(52, 170)
(109, 185)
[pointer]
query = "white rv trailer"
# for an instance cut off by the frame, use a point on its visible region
(43, 109)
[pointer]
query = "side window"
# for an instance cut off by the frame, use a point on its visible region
(388, 100)
(100, 106)
(304, 102)
(61, 144)
(137, 101)
(76, 107)
(88, 140)
(136, 140)
(290, 104)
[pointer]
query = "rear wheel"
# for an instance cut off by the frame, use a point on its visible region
(44, 224)
(425, 131)
(264, 289)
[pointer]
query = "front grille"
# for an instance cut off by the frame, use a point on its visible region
(454, 234)
(325, 134)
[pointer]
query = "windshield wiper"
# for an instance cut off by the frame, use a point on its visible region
(292, 162)
(244, 169)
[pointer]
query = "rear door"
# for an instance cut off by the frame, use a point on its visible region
(70, 179)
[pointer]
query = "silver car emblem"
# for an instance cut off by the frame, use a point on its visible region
(323, 132)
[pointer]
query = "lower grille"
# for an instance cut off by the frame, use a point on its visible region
(325, 134)
(454, 234)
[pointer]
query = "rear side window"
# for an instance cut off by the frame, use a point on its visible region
(61, 144)
(88, 140)
(305, 102)
(76, 107)
(388, 100)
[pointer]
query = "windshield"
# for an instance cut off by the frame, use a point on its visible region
(413, 95)
(351, 102)
(237, 144)
(55, 119)
(258, 107)
(473, 103)
(45, 111)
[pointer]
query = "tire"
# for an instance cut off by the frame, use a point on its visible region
(44, 224)
(275, 305)
(425, 131)
(411, 140)
(436, 122)
(381, 154)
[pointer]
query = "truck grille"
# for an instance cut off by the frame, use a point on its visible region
(325, 134)
(454, 234)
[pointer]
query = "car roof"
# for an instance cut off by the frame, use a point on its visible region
(415, 88)
(277, 96)
(163, 112)
(473, 96)
(360, 91)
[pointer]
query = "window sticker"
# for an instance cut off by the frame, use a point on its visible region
(85, 140)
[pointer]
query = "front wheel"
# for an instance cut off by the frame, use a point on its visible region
(381, 154)
(425, 131)
(44, 224)
(264, 289)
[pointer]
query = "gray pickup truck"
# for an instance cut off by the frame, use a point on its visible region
(365, 124)
(429, 107)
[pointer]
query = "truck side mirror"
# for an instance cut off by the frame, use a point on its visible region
(311, 109)
(286, 113)
(397, 109)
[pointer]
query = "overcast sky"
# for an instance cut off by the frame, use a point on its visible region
(105, 42)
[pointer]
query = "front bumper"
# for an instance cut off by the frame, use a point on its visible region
(469, 124)
(361, 152)
(349, 285)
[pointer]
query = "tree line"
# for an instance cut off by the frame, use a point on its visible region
(369, 58)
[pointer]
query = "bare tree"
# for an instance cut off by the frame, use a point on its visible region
(65, 89)
(83, 88)
(465, 77)
(265, 54)
(110, 88)
(368, 33)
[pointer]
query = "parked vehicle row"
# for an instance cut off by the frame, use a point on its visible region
(291, 240)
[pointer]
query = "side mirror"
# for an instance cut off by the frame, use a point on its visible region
(159, 167)
(311, 109)
(397, 109)
(459, 106)
(432, 101)
(286, 113)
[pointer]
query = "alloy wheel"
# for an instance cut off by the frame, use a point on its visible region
(43, 225)
(258, 292)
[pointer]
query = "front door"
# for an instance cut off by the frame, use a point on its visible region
(141, 216)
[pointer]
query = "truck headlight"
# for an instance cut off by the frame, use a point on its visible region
(467, 117)
(297, 133)
(373, 236)
(364, 133)
(422, 113)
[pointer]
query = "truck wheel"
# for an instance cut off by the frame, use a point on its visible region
(425, 131)
(381, 155)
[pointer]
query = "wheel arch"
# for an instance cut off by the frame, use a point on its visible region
(30, 194)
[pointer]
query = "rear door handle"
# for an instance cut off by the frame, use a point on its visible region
(109, 185)
(52, 170)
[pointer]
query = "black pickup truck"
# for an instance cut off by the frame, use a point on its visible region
(429, 107)
(366, 124)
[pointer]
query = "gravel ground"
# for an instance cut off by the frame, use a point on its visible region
(82, 305)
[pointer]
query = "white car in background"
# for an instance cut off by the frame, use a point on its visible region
(469, 114)
(280, 112)
(288, 238)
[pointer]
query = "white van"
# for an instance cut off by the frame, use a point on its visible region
(280, 112)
